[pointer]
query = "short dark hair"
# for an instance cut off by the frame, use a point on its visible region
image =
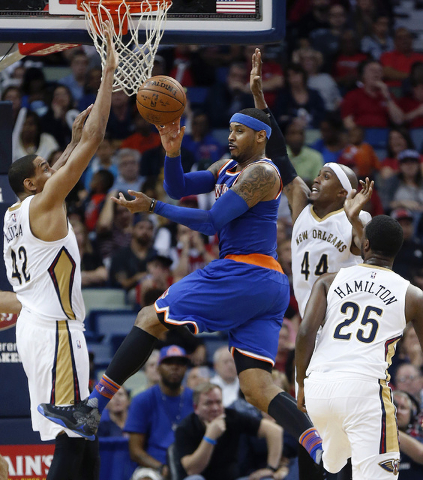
(257, 114)
(203, 388)
(19, 170)
(385, 235)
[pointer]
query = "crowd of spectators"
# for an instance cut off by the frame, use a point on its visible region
(345, 86)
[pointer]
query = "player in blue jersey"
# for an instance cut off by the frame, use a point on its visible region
(244, 292)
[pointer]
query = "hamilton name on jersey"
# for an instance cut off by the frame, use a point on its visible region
(12, 232)
(376, 289)
(317, 234)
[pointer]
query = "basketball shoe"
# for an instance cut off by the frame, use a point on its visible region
(80, 418)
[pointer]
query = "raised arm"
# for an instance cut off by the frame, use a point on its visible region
(61, 183)
(294, 186)
(314, 316)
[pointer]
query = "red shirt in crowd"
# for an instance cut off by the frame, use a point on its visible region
(407, 105)
(367, 111)
(399, 62)
(139, 142)
(346, 65)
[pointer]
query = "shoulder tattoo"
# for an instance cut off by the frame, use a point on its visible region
(256, 183)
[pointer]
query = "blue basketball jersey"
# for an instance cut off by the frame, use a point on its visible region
(255, 230)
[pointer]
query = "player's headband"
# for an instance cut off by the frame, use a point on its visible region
(342, 176)
(251, 122)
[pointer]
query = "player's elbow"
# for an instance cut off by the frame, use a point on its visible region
(174, 194)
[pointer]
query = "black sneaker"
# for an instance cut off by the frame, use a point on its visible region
(80, 418)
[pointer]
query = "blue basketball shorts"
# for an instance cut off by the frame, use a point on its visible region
(247, 301)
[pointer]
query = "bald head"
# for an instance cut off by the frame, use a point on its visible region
(352, 177)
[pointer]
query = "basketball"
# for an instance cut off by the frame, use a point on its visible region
(161, 100)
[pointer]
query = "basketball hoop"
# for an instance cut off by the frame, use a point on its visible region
(136, 59)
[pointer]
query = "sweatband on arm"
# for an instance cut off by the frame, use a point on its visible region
(276, 151)
(178, 184)
(229, 206)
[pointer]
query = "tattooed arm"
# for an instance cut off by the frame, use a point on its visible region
(257, 183)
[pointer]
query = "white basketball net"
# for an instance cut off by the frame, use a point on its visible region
(136, 60)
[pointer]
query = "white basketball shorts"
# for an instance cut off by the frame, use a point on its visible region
(55, 359)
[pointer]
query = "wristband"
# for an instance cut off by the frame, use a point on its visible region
(269, 467)
(210, 440)
(152, 204)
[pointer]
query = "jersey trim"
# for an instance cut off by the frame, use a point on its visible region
(258, 259)
(252, 355)
(165, 311)
(318, 219)
(14, 207)
(367, 265)
(388, 431)
(222, 167)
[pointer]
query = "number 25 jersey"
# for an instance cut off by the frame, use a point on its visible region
(46, 276)
(320, 245)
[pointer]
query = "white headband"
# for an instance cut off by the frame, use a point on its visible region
(342, 176)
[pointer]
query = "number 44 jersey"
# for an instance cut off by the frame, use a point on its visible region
(320, 245)
(46, 276)
(365, 318)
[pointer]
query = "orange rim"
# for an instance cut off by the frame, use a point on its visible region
(134, 7)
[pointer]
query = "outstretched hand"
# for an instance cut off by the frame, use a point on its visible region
(140, 204)
(78, 124)
(112, 57)
(256, 80)
(356, 201)
(171, 136)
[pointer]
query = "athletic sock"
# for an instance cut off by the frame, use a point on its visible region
(283, 408)
(129, 358)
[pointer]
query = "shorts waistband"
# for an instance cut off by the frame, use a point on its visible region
(29, 317)
(340, 377)
(258, 259)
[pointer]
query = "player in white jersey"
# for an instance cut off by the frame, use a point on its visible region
(43, 267)
(327, 228)
(343, 379)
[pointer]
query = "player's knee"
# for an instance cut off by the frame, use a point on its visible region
(147, 320)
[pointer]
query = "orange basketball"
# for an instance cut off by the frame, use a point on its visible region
(161, 100)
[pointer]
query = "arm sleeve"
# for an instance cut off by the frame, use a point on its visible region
(178, 184)
(229, 206)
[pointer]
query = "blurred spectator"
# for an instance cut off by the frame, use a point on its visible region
(406, 188)
(75, 81)
(409, 420)
(399, 139)
(60, 116)
(326, 40)
(191, 251)
(226, 377)
(129, 167)
(103, 160)
(397, 63)
(155, 413)
(297, 101)
(345, 70)
(151, 368)
(380, 41)
(32, 140)
(411, 349)
(152, 160)
(101, 183)
(359, 155)
(312, 60)
(119, 125)
(114, 226)
(272, 73)
(408, 378)
(285, 345)
(114, 416)
(207, 441)
(93, 271)
(332, 142)
(370, 105)
(158, 276)
(363, 15)
(14, 95)
(34, 90)
(143, 138)
(411, 254)
(129, 264)
(190, 68)
(91, 86)
(307, 162)
(225, 99)
(201, 143)
(197, 376)
(317, 18)
(412, 105)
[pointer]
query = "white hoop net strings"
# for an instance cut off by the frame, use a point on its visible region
(136, 60)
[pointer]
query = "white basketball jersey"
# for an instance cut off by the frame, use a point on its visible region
(46, 276)
(365, 318)
(320, 245)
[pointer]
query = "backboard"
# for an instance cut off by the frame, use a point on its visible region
(189, 22)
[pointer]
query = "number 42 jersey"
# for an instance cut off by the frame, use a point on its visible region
(320, 245)
(46, 276)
